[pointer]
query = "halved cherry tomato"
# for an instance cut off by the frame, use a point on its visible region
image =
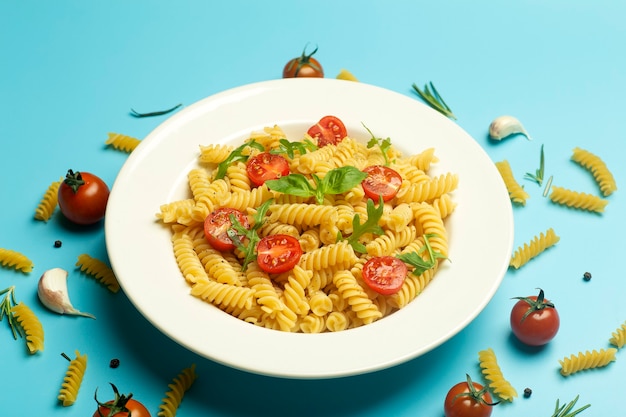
(121, 406)
(303, 66)
(468, 399)
(381, 181)
(217, 224)
(328, 131)
(534, 320)
(83, 197)
(278, 253)
(385, 274)
(266, 166)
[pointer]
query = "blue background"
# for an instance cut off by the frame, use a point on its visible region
(71, 71)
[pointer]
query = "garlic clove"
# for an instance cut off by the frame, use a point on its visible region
(504, 126)
(52, 292)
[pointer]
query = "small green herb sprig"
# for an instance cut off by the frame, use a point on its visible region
(416, 259)
(383, 144)
(566, 409)
(539, 172)
(290, 148)
(432, 97)
(336, 181)
(154, 113)
(244, 239)
(370, 226)
(7, 303)
(236, 155)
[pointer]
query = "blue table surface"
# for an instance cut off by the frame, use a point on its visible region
(72, 70)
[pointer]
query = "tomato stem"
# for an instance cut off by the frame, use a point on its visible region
(535, 305)
(306, 60)
(476, 395)
(74, 180)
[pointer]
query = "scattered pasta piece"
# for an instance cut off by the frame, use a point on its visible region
(99, 270)
(178, 387)
(536, 246)
(597, 167)
(587, 360)
(490, 368)
(73, 380)
(577, 200)
(16, 260)
(31, 326)
(344, 74)
(47, 205)
(618, 337)
(516, 192)
(121, 142)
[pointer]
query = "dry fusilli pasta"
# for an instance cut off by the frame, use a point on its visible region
(493, 374)
(49, 201)
(516, 192)
(73, 380)
(173, 398)
(99, 270)
(16, 260)
(577, 200)
(587, 360)
(536, 246)
(594, 164)
(618, 337)
(122, 142)
(31, 325)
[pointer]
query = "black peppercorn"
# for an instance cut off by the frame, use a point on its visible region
(114, 363)
(587, 276)
(527, 392)
(57, 243)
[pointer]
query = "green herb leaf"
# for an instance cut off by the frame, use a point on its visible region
(290, 148)
(154, 113)
(292, 184)
(370, 226)
(340, 180)
(383, 144)
(564, 410)
(7, 303)
(538, 177)
(236, 156)
(416, 260)
(251, 238)
(432, 97)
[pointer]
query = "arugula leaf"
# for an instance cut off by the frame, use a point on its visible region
(250, 236)
(236, 156)
(289, 148)
(370, 226)
(336, 181)
(416, 260)
(383, 144)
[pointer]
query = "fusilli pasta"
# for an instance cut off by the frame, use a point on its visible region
(594, 164)
(493, 374)
(73, 380)
(618, 337)
(99, 270)
(31, 326)
(122, 142)
(16, 260)
(173, 398)
(534, 248)
(588, 360)
(516, 192)
(577, 200)
(48, 204)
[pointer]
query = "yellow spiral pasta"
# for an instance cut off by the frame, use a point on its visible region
(577, 200)
(16, 260)
(493, 374)
(48, 203)
(534, 248)
(73, 380)
(99, 270)
(177, 389)
(325, 291)
(594, 164)
(517, 194)
(31, 326)
(588, 360)
(618, 337)
(121, 142)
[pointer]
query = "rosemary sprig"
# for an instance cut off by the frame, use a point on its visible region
(432, 97)
(564, 410)
(538, 176)
(7, 303)
(153, 113)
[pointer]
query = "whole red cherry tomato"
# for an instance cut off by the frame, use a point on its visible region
(381, 181)
(385, 274)
(278, 253)
(304, 66)
(266, 166)
(468, 399)
(218, 223)
(534, 320)
(121, 406)
(83, 197)
(330, 130)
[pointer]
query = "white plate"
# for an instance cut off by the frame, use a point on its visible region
(140, 250)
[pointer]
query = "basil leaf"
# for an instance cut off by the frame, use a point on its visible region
(340, 180)
(293, 184)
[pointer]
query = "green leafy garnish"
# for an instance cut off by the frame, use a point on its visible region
(565, 409)
(370, 226)
(7, 303)
(433, 99)
(154, 113)
(538, 176)
(236, 156)
(289, 148)
(383, 144)
(416, 260)
(336, 181)
(250, 236)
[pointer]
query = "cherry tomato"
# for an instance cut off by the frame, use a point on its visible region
(121, 406)
(266, 166)
(278, 253)
(468, 399)
(304, 66)
(83, 197)
(534, 320)
(385, 274)
(328, 131)
(381, 181)
(217, 224)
